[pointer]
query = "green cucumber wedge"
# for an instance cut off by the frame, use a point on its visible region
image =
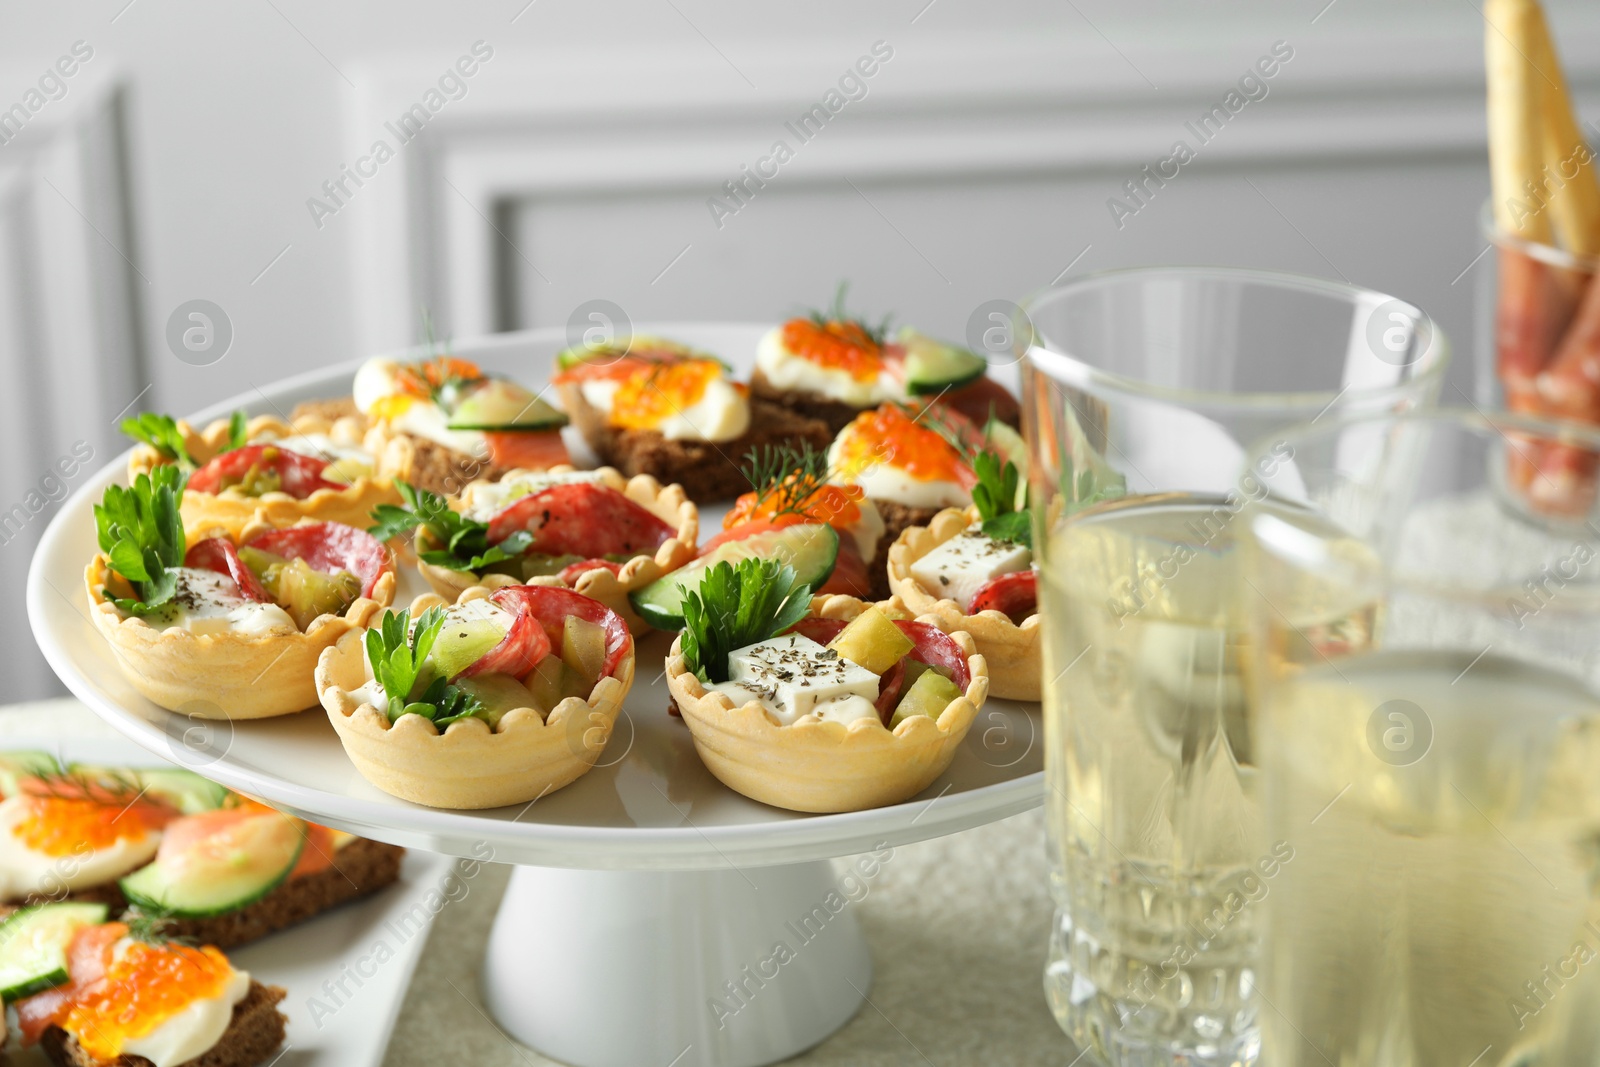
(502, 405)
(34, 943)
(222, 871)
(932, 366)
(810, 548)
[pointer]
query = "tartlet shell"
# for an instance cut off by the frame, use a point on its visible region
(816, 766)
(232, 510)
(1014, 653)
(227, 675)
(668, 503)
(469, 766)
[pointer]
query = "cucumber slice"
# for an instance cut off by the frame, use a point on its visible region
(810, 548)
(24, 763)
(34, 943)
(470, 630)
(932, 366)
(501, 405)
(184, 790)
(498, 693)
(220, 872)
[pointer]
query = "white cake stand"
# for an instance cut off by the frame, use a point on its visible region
(656, 917)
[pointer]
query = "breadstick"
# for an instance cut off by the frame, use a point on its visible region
(1514, 142)
(1568, 161)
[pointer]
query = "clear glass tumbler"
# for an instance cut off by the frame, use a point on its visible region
(1143, 391)
(1431, 774)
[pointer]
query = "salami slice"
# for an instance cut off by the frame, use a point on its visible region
(581, 519)
(889, 687)
(573, 571)
(548, 606)
(1016, 595)
(298, 475)
(519, 651)
(218, 554)
(330, 547)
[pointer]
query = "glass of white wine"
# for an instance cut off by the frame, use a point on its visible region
(1436, 788)
(1143, 390)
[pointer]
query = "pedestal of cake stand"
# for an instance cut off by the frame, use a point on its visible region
(723, 968)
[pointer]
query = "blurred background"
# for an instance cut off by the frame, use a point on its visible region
(539, 154)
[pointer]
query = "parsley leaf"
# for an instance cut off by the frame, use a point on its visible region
(141, 532)
(995, 497)
(161, 433)
(738, 605)
(466, 541)
(398, 653)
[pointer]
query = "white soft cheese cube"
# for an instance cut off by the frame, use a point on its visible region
(793, 674)
(962, 565)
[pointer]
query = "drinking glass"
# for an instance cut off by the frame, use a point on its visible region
(1431, 778)
(1143, 390)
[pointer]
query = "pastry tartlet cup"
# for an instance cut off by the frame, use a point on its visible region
(667, 503)
(224, 675)
(1014, 653)
(232, 509)
(470, 765)
(817, 766)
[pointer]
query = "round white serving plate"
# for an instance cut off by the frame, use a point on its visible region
(647, 885)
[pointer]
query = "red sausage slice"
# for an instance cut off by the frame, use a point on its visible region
(573, 571)
(330, 547)
(218, 554)
(1016, 595)
(581, 520)
(548, 606)
(518, 652)
(299, 475)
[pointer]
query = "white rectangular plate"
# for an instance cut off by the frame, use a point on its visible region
(368, 947)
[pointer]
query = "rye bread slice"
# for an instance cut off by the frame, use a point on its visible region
(835, 413)
(707, 470)
(359, 869)
(254, 1034)
(896, 518)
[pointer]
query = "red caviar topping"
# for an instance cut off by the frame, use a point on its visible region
(645, 401)
(836, 344)
(797, 499)
(889, 435)
(59, 826)
(140, 988)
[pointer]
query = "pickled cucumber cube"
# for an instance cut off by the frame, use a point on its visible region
(498, 693)
(929, 695)
(552, 681)
(470, 630)
(873, 641)
(306, 593)
(583, 648)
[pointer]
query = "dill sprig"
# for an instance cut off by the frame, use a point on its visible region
(104, 786)
(839, 314)
(789, 474)
(151, 926)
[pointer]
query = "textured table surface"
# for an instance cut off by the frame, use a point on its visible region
(957, 928)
